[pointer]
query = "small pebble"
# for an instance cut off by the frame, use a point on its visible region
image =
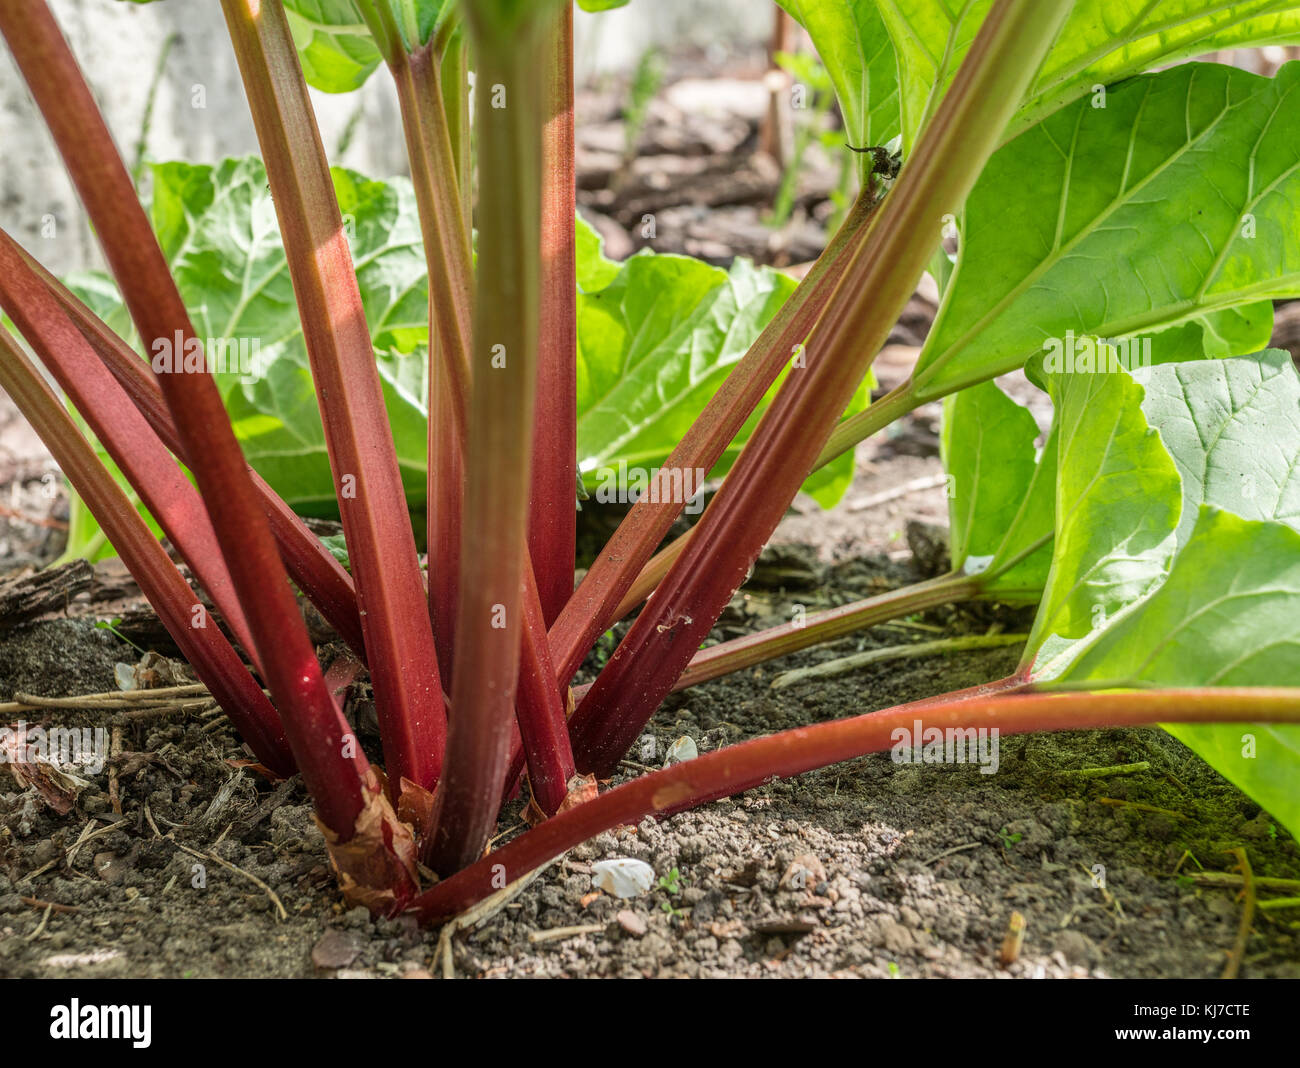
(633, 923)
(336, 949)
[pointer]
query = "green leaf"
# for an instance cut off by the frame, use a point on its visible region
(1260, 759)
(1173, 203)
(1106, 41)
(338, 52)
(1001, 502)
(1102, 43)
(1227, 612)
(1233, 430)
(653, 347)
(219, 232)
(1226, 609)
(1118, 500)
(595, 270)
(854, 45)
(334, 44)
(601, 5)
(98, 291)
(987, 448)
(1020, 567)
(623, 333)
(930, 37)
(338, 548)
(1227, 615)
(1224, 333)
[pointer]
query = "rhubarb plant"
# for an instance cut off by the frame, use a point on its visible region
(1073, 209)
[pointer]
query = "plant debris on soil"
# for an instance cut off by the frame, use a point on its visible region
(179, 860)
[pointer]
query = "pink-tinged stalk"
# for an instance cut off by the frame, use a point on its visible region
(649, 577)
(741, 767)
(214, 661)
(322, 579)
(540, 712)
(374, 853)
(881, 277)
(861, 425)
(444, 508)
(445, 234)
(490, 618)
(135, 448)
(372, 501)
(454, 76)
(847, 433)
(437, 174)
(752, 649)
(553, 522)
(613, 587)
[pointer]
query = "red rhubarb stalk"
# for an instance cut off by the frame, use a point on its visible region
(214, 661)
(322, 579)
(438, 160)
(847, 433)
(741, 767)
(740, 653)
(540, 712)
(372, 850)
(726, 657)
(447, 251)
(437, 174)
(552, 531)
(122, 430)
(372, 502)
(882, 276)
(649, 577)
(613, 587)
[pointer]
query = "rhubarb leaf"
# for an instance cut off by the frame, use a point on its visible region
(1001, 499)
(1172, 203)
(656, 335)
(1118, 500)
(1226, 611)
(335, 46)
(218, 229)
(987, 448)
(1233, 430)
(1102, 43)
(595, 270)
(653, 347)
(853, 44)
(1228, 614)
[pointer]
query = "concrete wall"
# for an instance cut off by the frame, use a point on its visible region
(200, 112)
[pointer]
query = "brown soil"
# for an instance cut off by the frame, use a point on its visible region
(917, 870)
